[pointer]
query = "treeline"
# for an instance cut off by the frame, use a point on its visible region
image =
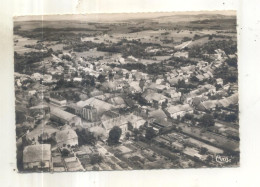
(47, 35)
(228, 46)
(178, 62)
(23, 62)
(210, 36)
(38, 46)
(226, 74)
(133, 47)
(81, 46)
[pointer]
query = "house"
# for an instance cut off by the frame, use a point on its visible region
(47, 78)
(157, 87)
(175, 96)
(208, 105)
(119, 121)
(179, 110)
(159, 81)
(160, 124)
(200, 77)
(96, 92)
(157, 115)
(138, 76)
(134, 87)
(36, 76)
(155, 98)
(118, 102)
(74, 109)
(58, 100)
(219, 81)
(135, 121)
(188, 69)
(66, 137)
(225, 102)
(77, 79)
(37, 157)
(197, 100)
(109, 86)
(63, 117)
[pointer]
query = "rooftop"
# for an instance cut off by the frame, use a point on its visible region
(61, 113)
(37, 153)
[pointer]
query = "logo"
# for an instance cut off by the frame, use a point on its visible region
(223, 159)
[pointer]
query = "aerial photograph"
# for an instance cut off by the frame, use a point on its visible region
(142, 91)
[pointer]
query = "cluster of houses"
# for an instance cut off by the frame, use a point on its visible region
(158, 100)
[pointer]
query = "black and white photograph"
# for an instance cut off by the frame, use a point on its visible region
(126, 91)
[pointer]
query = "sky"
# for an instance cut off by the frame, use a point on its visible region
(116, 16)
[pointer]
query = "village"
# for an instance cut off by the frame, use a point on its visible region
(94, 105)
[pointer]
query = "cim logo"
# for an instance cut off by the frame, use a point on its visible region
(223, 159)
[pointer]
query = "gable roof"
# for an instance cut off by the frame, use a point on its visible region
(155, 96)
(117, 101)
(61, 113)
(179, 108)
(109, 124)
(37, 153)
(101, 106)
(135, 85)
(206, 105)
(65, 135)
(158, 114)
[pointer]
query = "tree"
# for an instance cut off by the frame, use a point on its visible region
(130, 126)
(110, 76)
(101, 78)
(150, 133)
(142, 83)
(86, 137)
(232, 62)
(127, 135)
(209, 158)
(203, 150)
(188, 116)
(65, 152)
(136, 133)
(231, 117)
(207, 120)
(164, 104)
(114, 135)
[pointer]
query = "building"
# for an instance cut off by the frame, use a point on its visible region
(208, 105)
(57, 100)
(63, 117)
(90, 113)
(179, 110)
(134, 87)
(119, 121)
(155, 98)
(74, 109)
(157, 115)
(37, 157)
(175, 96)
(93, 108)
(135, 121)
(66, 137)
(219, 81)
(118, 102)
(41, 107)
